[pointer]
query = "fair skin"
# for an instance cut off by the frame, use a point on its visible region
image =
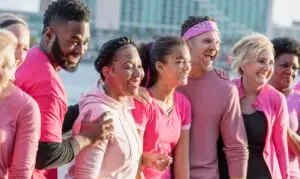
(204, 49)
(256, 73)
(173, 73)
(286, 68)
(7, 71)
(23, 39)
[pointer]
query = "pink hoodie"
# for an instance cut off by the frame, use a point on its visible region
(19, 135)
(273, 104)
(115, 159)
(293, 102)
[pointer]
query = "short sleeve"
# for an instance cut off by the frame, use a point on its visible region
(140, 114)
(52, 110)
(185, 110)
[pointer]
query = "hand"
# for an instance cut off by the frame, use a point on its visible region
(222, 73)
(156, 160)
(100, 129)
(143, 95)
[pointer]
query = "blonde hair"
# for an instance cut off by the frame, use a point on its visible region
(6, 17)
(248, 48)
(7, 39)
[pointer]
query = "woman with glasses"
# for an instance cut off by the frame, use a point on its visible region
(287, 55)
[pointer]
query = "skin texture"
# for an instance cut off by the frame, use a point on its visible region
(23, 39)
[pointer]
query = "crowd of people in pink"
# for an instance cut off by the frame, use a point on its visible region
(160, 109)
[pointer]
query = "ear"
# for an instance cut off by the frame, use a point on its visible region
(106, 71)
(159, 66)
(49, 35)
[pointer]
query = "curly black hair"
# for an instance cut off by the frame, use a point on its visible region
(107, 53)
(286, 45)
(69, 10)
(193, 20)
(156, 51)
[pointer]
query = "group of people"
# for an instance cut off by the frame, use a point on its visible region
(159, 110)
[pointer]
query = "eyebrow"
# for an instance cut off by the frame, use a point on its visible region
(180, 57)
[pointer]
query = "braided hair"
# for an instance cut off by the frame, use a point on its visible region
(107, 53)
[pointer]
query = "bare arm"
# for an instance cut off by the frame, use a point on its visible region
(294, 142)
(181, 158)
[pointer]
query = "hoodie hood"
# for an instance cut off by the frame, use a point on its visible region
(96, 96)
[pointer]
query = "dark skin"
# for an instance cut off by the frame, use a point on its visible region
(65, 42)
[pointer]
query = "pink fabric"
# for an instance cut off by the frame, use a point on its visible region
(115, 159)
(297, 86)
(293, 102)
(19, 135)
(200, 28)
(162, 132)
(215, 111)
(37, 77)
(273, 104)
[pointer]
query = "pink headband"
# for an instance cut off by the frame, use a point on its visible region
(200, 28)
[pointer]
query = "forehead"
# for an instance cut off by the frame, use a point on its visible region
(127, 53)
(211, 34)
(266, 54)
(181, 50)
(288, 57)
(74, 28)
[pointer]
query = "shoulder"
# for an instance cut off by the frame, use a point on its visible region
(181, 99)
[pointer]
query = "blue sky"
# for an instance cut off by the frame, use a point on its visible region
(284, 12)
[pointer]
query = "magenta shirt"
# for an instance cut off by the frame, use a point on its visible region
(293, 102)
(37, 77)
(19, 135)
(162, 131)
(274, 106)
(215, 111)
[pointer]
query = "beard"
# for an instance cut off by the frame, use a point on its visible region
(61, 59)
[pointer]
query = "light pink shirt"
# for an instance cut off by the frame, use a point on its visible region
(162, 131)
(38, 78)
(19, 135)
(118, 158)
(293, 102)
(274, 106)
(215, 111)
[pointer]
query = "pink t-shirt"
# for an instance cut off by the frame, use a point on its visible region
(162, 132)
(37, 77)
(293, 102)
(19, 135)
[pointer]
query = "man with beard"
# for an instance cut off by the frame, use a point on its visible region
(64, 41)
(215, 106)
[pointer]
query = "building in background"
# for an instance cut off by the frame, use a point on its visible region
(145, 20)
(293, 31)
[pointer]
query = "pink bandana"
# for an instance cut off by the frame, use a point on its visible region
(200, 28)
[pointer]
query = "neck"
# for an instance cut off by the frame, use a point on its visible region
(5, 90)
(108, 89)
(197, 72)
(47, 51)
(250, 88)
(163, 91)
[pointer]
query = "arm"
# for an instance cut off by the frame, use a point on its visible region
(234, 137)
(89, 160)
(26, 142)
(279, 136)
(70, 117)
(294, 142)
(181, 157)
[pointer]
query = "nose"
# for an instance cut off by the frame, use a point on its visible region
(138, 72)
(81, 49)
